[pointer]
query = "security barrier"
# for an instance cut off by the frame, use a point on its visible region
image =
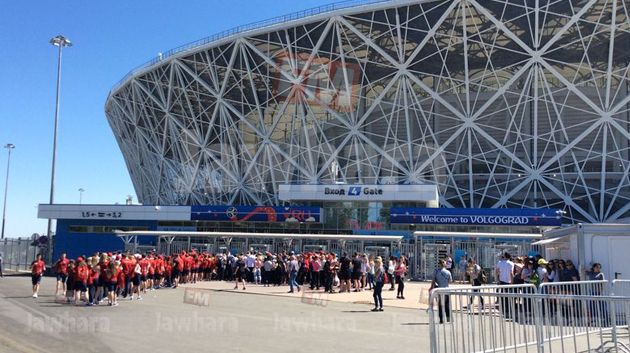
(17, 254)
(621, 287)
(523, 318)
(576, 288)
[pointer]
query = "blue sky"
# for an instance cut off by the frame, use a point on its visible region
(110, 38)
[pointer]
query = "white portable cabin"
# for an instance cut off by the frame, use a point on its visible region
(585, 244)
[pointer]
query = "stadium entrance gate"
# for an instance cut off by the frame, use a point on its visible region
(353, 246)
(432, 252)
(410, 251)
(374, 251)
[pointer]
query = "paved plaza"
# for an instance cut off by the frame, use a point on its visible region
(211, 316)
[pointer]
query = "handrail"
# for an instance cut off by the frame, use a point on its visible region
(245, 28)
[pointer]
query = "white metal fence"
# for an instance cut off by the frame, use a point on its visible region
(17, 254)
(621, 287)
(565, 317)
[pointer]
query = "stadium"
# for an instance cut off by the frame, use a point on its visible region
(494, 104)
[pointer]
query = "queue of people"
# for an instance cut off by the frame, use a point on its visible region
(514, 271)
(109, 277)
(537, 270)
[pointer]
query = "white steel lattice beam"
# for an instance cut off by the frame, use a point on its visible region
(499, 103)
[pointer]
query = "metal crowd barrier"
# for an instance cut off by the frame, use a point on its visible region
(17, 254)
(621, 287)
(523, 318)
(576, 288)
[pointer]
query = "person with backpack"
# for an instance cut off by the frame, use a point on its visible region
(476, 277)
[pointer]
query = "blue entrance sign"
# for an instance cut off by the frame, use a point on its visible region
(477, 216)
(255, 213)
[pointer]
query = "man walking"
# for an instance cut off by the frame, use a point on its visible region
(250, 261)
(294, 266)
(441, 279)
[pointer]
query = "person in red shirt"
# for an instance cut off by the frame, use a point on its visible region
(168, 272)
(101, 293)
(37, 270)
(72, 275)
(159, 271)
(186, 272)
(61, 269)
(121, 279)
(80, 281)
(194, 268)
(178, 269)
(127, 265)
(93, 284)
(111, 278)
(151, 272)
(144, 271)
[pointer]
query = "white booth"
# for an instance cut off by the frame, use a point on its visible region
(585, 244)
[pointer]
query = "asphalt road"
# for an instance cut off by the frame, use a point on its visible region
(226, 321)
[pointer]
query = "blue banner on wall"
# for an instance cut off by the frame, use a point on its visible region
(477, 216)
(255, 213)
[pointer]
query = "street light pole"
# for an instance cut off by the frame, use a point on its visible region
(81, 190)
(9, 147)
(61, 42)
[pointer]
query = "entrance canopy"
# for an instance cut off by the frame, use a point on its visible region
(260, 235)
(551, 240)
(476, 235)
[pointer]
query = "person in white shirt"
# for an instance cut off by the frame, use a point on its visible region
(391, 266)
(250, 262)
(505, 270)
(505, 275)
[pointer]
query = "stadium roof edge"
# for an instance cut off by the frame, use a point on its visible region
(259, 27)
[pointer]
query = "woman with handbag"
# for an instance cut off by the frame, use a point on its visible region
(400, 271)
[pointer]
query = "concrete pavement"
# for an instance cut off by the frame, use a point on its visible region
(416, 294)
(219, 319)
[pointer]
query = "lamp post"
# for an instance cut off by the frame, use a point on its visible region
(81, 190)
(60, 42)
(9, 147)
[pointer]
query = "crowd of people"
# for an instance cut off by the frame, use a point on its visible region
(537, 270)
(513, 271)
(107, 277)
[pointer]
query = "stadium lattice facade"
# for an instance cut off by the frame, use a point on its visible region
(501, 103)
